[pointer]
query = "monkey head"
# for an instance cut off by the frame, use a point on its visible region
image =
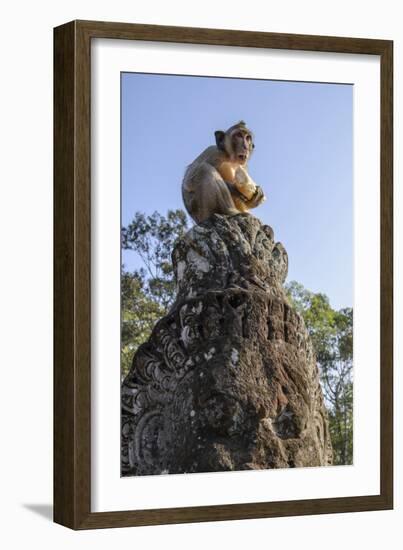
(236, 142)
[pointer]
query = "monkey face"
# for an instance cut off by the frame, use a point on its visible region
(237, 142)
(241, 145)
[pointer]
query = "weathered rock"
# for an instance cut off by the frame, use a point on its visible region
(228, 380)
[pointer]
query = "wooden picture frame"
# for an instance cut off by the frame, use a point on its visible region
(72, 270)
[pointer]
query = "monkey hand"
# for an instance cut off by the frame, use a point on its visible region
(257, 198)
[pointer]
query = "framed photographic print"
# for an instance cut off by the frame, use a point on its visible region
(222, 274)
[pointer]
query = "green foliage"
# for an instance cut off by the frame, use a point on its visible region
(139, 314)
(332, 337)
(152, 238)
(147, 293)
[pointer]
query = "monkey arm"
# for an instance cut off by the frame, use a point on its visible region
(252, 194)
(236, 193)
(242, 202)
(244, 183)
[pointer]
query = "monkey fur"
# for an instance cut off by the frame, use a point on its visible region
(217, 181)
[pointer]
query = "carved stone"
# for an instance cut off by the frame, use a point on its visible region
(228, 379)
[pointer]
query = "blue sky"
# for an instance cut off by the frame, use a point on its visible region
(303, 160)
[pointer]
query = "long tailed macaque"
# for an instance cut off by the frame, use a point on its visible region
(217, 181)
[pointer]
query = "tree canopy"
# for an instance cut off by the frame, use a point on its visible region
(332, 337)
(147, 292)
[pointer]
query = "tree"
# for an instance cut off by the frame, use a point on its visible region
(332, 337)
(139, 315)
(148, 292)
(152, 238)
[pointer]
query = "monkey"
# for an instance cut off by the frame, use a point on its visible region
(217, 181)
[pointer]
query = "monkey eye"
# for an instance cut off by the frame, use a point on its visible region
(248, 138)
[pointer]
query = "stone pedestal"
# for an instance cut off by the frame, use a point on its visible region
(228, 379)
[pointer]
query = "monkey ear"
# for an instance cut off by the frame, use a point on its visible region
(219, 139)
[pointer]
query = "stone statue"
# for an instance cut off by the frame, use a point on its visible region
(228, 379)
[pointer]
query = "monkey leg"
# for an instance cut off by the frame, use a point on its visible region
(206, 193)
